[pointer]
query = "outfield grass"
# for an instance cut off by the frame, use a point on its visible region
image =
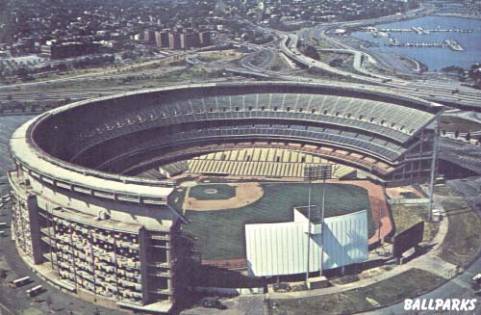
(411, 283)
(220, 233)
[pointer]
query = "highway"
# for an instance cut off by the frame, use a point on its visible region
(358, 61)
(449, 92)
(258, 65)
(289, 44)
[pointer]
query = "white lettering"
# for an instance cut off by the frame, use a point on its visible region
(459, 305)
(464, 305)
(431, 305)
(472, 305)
(424, 306)
(408, 303)
(455, 305)
(439, 304)
(416, 305)
(447, 305)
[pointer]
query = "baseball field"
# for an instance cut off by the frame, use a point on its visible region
(220, 232)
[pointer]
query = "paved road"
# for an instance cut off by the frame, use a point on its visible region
(459, 287)
(447, 91)
(7, 126)
(465, 155)
(444, 91)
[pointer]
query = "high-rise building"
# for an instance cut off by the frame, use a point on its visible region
(205, 38)
(189, 40)
(174, 40)
(69, 50)
(164, 38)
(158, 40)
(149, 36)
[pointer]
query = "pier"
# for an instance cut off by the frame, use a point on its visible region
(393, 42)
(418, 30)
(453, 45)
(448, 43)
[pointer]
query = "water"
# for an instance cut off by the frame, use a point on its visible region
(433, 58)
(8, 124)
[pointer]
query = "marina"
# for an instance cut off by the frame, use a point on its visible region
(448, 43)
(418, 30)
(437, 42)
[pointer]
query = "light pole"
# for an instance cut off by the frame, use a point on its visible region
(379, 226)
(308, 231)
(316, 172)
(325, 173)
(433, 170)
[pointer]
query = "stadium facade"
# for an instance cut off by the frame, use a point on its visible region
(87, 223)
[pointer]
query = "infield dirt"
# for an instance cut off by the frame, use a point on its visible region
(245, 194)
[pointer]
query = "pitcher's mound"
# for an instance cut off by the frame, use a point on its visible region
(245, 194)
(211, 191)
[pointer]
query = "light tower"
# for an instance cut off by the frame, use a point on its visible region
(311, 173)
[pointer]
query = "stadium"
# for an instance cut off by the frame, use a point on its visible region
(112, 195)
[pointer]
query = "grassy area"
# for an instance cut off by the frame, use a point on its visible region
(279, 63)
(462, 243)
(346, 60)
(322, 44)
(151, 75)
(219, 55)
(197, 72)
(222, 191)
(221, 233)
(409, 284)
(406, 216)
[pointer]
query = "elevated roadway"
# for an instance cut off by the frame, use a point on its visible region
(289, 44)
(448, 92)
(451, 93)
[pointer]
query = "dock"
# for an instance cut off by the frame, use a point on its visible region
(420, 30)
(454, 45)
(448, 43)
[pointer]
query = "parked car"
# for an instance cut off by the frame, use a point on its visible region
(213, 302)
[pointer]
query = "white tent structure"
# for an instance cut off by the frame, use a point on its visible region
(275, 249)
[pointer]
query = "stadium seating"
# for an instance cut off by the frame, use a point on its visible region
(269, 162)
(366, 125)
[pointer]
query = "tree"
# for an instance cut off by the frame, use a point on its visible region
(311, 52)
(336, 62)
(22, 72)
(49, 302)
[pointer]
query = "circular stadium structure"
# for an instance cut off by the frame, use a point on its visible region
(86, 220)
